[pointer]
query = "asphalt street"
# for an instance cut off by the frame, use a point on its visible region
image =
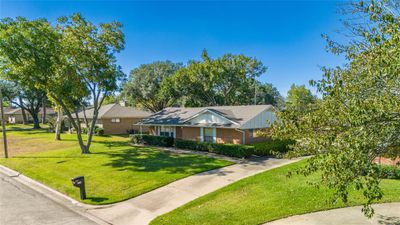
(21, 205)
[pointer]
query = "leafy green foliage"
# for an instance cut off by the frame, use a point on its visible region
(27, 98)
(152, 140)
(233, 150)
(274, 147)
(389, 172)
(358, 118)
(72, 62)
(228, 80)
(146, 86)
(299, 97)
(98, 131)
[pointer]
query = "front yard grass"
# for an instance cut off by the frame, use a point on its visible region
(265, 197)
(114, 171)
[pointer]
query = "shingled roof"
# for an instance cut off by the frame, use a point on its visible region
(115, 111)
(238, 115)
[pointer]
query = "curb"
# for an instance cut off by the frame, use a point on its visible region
(54, 195)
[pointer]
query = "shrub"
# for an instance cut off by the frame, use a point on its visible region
(192, 145)
(272, 147)
(233, 150)
(152, 140)
(98, 131)
(52, 121)
(389, 172)
(240, 151)
(132, 131)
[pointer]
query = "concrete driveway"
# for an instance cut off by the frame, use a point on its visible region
(21, 205)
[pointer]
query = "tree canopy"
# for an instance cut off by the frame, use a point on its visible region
(147, 86)
(299, 97)
(358, 118)
(72, 62)
(227, 80)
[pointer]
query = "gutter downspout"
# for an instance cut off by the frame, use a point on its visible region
(244, 135)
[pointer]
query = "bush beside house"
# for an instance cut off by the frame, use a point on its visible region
(233, 150)
(152, 140)
(389, 172)
(272, 147)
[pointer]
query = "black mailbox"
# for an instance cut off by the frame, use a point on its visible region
(80, 183)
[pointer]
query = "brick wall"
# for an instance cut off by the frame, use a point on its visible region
(387, 161)
(122, 126)
(190, 133)
(229, 136)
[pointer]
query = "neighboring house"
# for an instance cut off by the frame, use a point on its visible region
(116, 119)
(14, 115)
(219, 124)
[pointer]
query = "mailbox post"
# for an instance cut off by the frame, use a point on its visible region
(80, 183)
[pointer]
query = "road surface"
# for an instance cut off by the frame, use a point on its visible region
(22, 205)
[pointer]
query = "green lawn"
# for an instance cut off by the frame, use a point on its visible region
(115, 171)
(264, 197)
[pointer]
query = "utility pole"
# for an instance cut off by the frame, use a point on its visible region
(255, 91)
(3, 125)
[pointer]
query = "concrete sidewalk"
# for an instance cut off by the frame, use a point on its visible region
(387, 213)
(144, 208)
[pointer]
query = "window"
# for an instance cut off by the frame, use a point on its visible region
(115, 120)
(251, 133)
(208, 135)
(167, 131)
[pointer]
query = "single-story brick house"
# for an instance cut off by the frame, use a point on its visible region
(116, 119)
(14, 115)
(217, 124)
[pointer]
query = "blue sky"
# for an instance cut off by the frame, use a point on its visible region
(284, 35)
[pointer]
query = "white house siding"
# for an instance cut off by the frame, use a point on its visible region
(262, 120)
(209, 118)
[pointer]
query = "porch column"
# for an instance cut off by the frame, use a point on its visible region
(214, 135)
(201, 134)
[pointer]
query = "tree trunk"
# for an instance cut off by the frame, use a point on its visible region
(44, 112)
(24, 119)
(59, 123)
(91, 130)
(36, 122)
(75, 123)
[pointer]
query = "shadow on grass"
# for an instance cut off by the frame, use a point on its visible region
(150, 160)
(113, 144)
(97, 199)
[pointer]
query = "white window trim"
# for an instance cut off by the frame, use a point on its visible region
(114, 120)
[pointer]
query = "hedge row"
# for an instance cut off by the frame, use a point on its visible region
(233, 150)
(152, 140)
(389, 172)
(272, 147)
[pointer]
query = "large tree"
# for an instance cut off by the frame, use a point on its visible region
(299, 97)
(72, 62)
(29, 100)
(228, 80)
(144, 87)
(358, 118)
(266, 93)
